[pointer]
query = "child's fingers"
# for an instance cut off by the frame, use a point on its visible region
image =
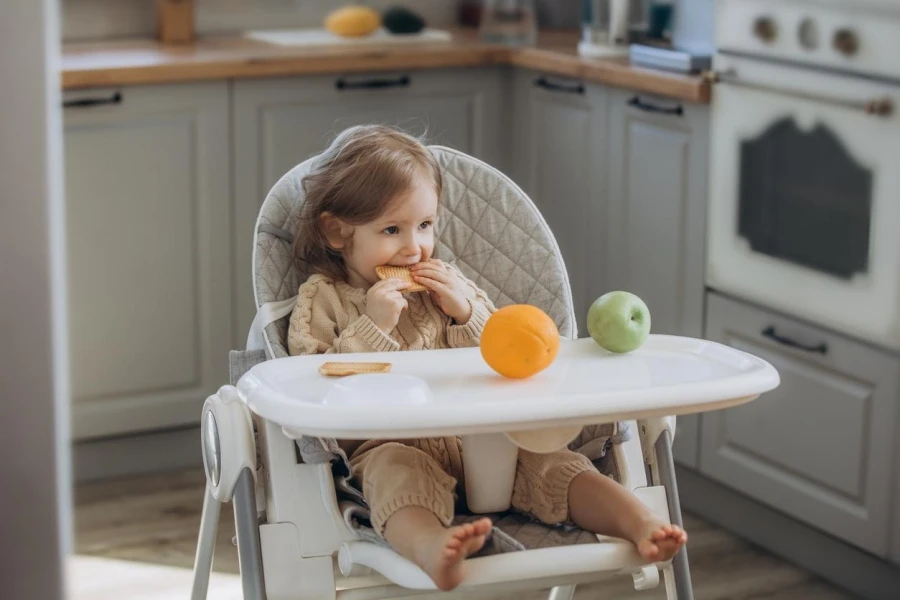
(434, 285)
(389, 285)
(430, 261)
(435, 274)
(428, 282)
(425, 267)
(398, 284)
(432, 264)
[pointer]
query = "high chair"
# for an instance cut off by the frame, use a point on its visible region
(294, 538)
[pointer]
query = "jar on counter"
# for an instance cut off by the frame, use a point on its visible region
(469, 13)
(510, 22)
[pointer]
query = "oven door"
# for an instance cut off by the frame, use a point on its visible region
(804, 212)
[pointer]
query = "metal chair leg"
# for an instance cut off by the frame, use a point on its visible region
(206, 544)
(666, 469)
(247, 528)
(562, 592)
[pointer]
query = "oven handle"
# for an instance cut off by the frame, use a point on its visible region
(879, 107)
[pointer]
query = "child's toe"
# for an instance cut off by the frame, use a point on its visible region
(483, 526)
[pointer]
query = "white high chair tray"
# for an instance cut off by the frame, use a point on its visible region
(454, 392)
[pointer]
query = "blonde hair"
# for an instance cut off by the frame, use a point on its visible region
(355, 179)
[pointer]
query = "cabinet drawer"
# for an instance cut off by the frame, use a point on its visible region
(820, 447)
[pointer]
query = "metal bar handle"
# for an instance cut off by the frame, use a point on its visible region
(85, 102)
(343, 84)
(543, 82)
(879, 107)
(639, 104)
(770, 333)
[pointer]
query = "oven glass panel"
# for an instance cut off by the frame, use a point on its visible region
(804, 199)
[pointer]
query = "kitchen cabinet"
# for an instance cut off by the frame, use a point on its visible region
(820, 447)
(279, 123)
(558, 159)
(895, 544)
(658, 153)
(148, 236)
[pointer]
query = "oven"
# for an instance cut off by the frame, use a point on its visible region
(804, 213)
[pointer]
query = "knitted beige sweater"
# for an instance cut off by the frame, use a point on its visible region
(330, 318)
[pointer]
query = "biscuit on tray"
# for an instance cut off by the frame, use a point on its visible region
(343, 369)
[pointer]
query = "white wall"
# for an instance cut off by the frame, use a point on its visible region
(35, 521)
(99, 19)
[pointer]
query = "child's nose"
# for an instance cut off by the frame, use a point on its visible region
(411, 244)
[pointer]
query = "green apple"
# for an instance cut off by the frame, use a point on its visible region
(619, 321)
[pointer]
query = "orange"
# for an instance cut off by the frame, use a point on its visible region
(519, 341)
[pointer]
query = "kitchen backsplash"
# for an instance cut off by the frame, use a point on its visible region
(106, 19)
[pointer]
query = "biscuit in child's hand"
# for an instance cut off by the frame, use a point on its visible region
(401, 273)
(343, 369)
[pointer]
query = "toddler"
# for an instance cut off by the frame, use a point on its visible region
(371, 200)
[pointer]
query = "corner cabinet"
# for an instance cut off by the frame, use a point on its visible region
(148, 237)
(658, 157)
(279, 123)
(558, 159)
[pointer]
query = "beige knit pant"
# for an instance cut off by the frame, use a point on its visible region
(428, 473)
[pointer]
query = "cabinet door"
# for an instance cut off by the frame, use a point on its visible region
(282, 122)
(559, 161)
(148, 239)
(820, 447)
(658, 152)
(895, 545)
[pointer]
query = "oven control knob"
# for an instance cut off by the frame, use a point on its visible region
(765, 29)
(846, 42)
(808, 34)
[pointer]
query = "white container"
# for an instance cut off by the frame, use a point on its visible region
(693, 30)
(604, 28)
(489, 482)
(511, 22)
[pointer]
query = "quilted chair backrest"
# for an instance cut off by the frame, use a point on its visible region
(486, 226)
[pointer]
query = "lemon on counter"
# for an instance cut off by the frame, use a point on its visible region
(353, 21)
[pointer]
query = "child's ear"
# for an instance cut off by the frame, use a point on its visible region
(336, 231)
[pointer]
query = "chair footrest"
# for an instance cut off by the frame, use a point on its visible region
(610, 555)
(614, 557)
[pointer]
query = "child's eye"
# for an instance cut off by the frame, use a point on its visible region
(425, 225)
(392, 230)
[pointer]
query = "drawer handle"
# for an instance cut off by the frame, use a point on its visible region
(343, 84)
(543, 82)
(639, 104)
(770, 333)
(83, 102)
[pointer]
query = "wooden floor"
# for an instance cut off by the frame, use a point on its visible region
(155, 519)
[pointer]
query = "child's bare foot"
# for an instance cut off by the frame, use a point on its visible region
(442, 557)
(660, 541)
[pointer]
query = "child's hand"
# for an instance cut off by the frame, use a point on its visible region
(447, 289)
(385, 302)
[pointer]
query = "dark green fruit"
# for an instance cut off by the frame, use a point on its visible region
(401, 20)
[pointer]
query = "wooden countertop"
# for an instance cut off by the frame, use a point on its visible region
(145, 61)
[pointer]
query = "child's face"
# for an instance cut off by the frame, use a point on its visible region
(403, 236)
